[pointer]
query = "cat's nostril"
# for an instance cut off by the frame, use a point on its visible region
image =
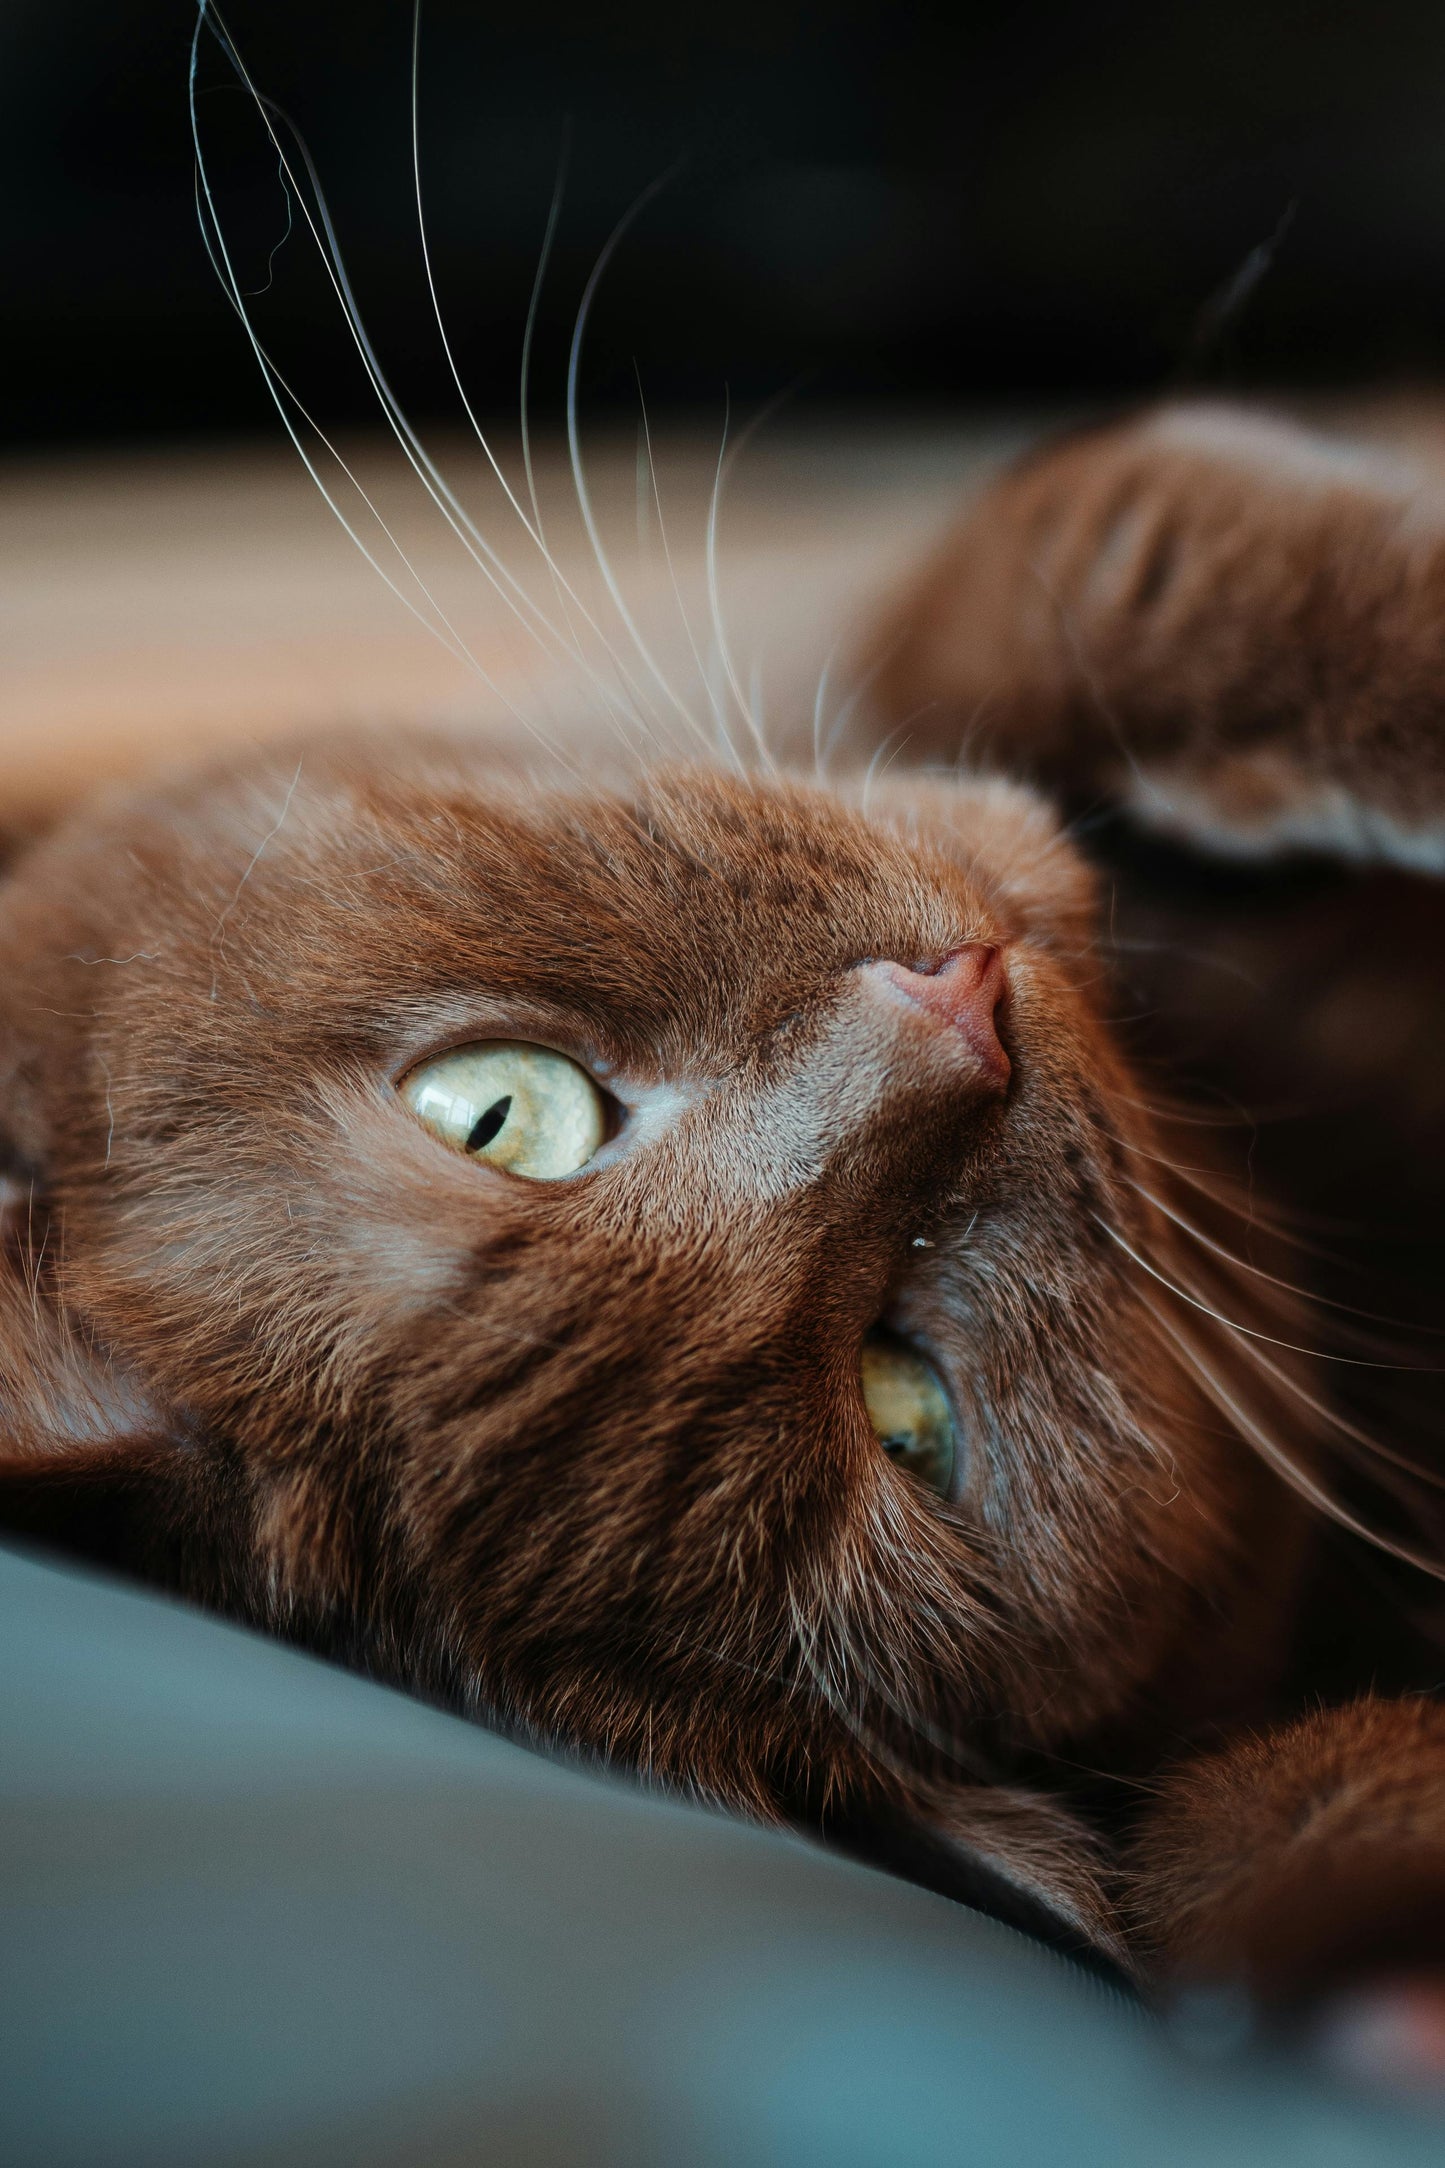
(965, 989)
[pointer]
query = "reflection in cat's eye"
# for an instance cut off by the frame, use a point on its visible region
(521, 1107)
(909, 1410)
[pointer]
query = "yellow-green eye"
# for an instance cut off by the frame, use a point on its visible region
(516, 1106)
(909, 1410)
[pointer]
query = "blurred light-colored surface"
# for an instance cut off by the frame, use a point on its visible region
(258, 1913)
(152, 606)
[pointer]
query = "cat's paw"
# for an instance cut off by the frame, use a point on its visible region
(1302, 1872)
(1385, 2034)
(1231, 626)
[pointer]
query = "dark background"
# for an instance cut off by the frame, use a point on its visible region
(875, 204)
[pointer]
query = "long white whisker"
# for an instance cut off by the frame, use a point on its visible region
(885, 752)
(1297, 1478)
(574, 445)
(1374, 1448)
(1242, 1264)
(847, 708)
(820, 698)
(719, 712)
(726, 460)
(218, 933)
(328, 249)
(946, 1743)
(529, 332)
(832, 1698)
(1354, 1362)
(508, 589)
(276, 385)
(532, 526)
(720, 641)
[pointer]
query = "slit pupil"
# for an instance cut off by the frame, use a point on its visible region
(487, 1125)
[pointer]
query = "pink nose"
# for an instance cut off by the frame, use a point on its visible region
(965, 991)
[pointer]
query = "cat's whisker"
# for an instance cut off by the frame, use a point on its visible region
(884, 754)
(1289, 1287)
(574, 447)
(726, 458)
(444, 632)
(963, 761)
(218, 936)
(509, 590)
(847, 709)
(1249, 1332)
(857, 1726)
(1283, 1463)
(820, 697)
(529, 333)
(1073, 639)
(566, 594)
(947, 1743)
(719, 631)
(1227, 966)
(1237, 1118)
(757, 696)
(1372, 1449)
(277, 385)
(719, 712)
(328, 249)
(1207, 1183)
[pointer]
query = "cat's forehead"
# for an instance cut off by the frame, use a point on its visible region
(386, 899)
(686, 885)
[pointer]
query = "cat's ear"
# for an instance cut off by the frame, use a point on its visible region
(1016, 1855)
(89, 1463)
(1230, 625)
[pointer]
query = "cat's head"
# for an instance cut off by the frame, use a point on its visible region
(462, 1207)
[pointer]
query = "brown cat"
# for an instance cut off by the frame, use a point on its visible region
(686, 1266)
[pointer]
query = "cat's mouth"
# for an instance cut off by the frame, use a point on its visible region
(910, 1410)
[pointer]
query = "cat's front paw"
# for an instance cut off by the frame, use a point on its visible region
(1301, 1872)
(1386, 2034)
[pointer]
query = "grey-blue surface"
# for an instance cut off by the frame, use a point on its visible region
(258, 1911)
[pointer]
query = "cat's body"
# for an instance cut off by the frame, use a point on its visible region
(590, 1455)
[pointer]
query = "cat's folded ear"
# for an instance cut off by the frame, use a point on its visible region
(1230, 625)
(1014, 1854)
(88, 1464)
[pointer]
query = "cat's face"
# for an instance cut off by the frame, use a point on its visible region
(589, 1446)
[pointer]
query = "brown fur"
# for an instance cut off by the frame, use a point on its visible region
(590, 1458)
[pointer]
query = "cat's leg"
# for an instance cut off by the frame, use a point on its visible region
(1234, 627)
(1306, 1866)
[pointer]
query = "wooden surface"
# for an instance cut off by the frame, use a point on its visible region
(153, 605)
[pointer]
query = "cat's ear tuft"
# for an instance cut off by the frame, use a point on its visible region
(88, 1463)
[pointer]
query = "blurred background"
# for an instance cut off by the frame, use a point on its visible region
(896, 241)
(867, 203)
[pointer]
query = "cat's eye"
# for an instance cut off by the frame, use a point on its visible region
(909, 1411)
(516, 1106)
